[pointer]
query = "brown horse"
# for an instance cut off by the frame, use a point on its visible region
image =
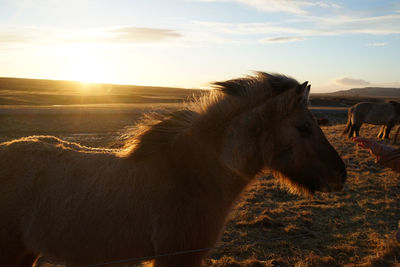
(385, 114)
(169, 191)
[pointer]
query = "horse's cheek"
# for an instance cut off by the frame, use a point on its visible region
(283, 161)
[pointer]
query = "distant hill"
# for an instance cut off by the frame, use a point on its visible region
(369, 92)
(18, 91)
(346, 98)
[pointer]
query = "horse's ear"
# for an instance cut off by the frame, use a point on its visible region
(302, 92)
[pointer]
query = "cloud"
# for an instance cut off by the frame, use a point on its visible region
(393, 84)
(329, 19)
(276, 6)
(343, 82)
(288, 6)
(294, 28)
(135, 34)
(298, 28)
(351, 81)
(244, 28)
(282, 39)
(377, 44)
(374, 25)
(98, 35)
(21, 35)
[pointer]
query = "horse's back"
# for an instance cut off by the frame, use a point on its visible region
(22, 156)
(373, 113)
(48, 161)
(19, 160)
(23, 162)
(19, 155)
(47, 184)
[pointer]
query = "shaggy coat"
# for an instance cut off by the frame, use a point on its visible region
(385, 114)
(169, 190)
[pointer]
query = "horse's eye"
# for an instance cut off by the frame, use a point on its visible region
(305, 130)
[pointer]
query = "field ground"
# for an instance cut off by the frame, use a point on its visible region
(268, 226)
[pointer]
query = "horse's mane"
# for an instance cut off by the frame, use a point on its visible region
(262, 85)
(156, 131)
(229, 99)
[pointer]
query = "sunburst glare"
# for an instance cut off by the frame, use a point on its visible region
(86, 65)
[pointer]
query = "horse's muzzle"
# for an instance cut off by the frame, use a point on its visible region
(343, 176)
(337, 184)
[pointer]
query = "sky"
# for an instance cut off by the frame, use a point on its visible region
(335, 45)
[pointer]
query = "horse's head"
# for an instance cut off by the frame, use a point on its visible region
(274, 129)
(396, 107)
(300, 154)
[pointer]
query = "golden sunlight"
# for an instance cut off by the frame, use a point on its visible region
(86, 65)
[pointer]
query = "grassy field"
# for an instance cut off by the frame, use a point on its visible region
(91, 125)
(37, 92)
(268, 226)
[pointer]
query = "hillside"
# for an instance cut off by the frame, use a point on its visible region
(17, 91)
(346, 98)
(369, 92)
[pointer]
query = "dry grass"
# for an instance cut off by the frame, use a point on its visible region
(37, 92)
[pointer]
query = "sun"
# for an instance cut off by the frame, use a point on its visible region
(88, 71)
(86, 65)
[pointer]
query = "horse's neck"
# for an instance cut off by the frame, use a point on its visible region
(240, 150)
(235, 139)
(198, 163)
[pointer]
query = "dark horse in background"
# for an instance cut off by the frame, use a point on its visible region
(385, 114)
(167, 194)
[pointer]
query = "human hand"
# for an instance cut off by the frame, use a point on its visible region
(374, 148)
(398, 233)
